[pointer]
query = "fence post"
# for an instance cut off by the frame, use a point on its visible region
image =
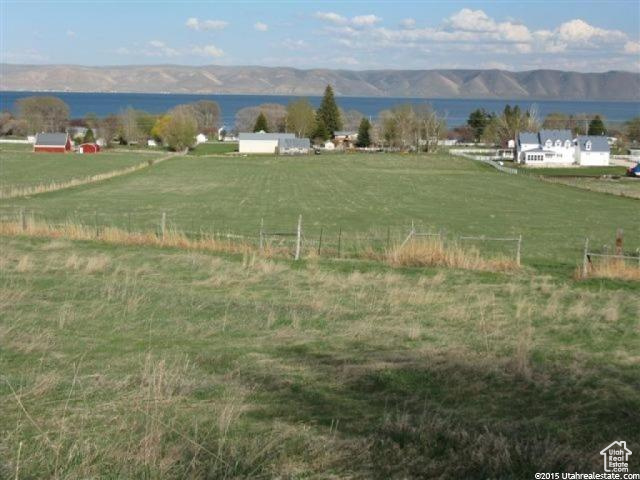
(163, 224)
(23, 219)
(320, 242)
(261, 233)
(585, 258)
(519, 250)
(619, 241)
(340, 242)
(298, 237)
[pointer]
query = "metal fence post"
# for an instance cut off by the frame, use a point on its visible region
(320, 242)
(298, 237)
(585, 258)
(519, 250)
(340, 242)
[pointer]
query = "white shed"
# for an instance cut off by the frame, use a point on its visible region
(261, 142)
(201, 138)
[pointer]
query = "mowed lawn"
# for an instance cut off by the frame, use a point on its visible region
(355, 193)
(23, 169)
(140, 362)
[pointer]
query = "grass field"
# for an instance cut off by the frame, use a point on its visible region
(214, 148)
(624, 186)
(252, 368)
(572, 171)
(355, 193)
(23, 169)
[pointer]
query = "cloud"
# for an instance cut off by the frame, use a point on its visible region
(632, 47)
(71, 34)
(195, 24)
(331, 17)
(160, 49)
(292, 44)
(580, 32)
(261, 27)
(408, 23)
(208, 51)
(365, 20)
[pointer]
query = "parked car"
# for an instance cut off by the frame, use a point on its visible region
(634, 171)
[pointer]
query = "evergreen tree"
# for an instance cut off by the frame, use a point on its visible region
(89, 137)
(261, 124)
(321, 132)
(478, 120)
(596, 126)
(364, 137)
(329, 112)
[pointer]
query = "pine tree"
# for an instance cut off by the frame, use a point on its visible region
(328, 111)
(596, 126)
(321, 132)
(364, 138)
(89, 137)
(261, 124)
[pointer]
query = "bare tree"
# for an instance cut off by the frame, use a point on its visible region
(276, 117)
(207, 115)
(43, 114)
(301, 118)
(351, 119)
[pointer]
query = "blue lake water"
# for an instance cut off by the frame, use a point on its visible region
(456, 111)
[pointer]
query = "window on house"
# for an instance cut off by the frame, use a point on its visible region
(558, 143)
(567, 144)
(548, 143)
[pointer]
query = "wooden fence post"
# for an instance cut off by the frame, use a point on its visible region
(340, 242)
(23, 219)
(619, 241)
(261, 233)
(298, 237)
(585, 258)
(163, 224)
(320, 242)
(519, 250)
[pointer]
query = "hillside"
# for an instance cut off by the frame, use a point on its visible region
(535, 84)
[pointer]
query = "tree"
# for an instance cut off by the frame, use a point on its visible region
(43, 114)
(161, 128)
(207, 114)
(478, 120)
(110, 127)
(301, 118)
(329, 112)
(364, 136)
(321, 133)
(261, 124)
(9, 125)
(632, 129)
(557, 121)
(181, 128)
(429, 127)
(276, 117)
(596, 126)
(88, 136)
(512, 121)
(129, 131)
(351, 119)
(145, 122)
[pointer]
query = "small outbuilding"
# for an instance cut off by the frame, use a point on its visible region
(52, 143)
(89, 148)
(261, 142)
(293, 146)
(201, 138)
(592, 150)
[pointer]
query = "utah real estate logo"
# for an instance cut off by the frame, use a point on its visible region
(616, 457)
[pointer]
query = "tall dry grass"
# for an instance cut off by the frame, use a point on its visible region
(434, 253)
(14, 192)
(614, 268)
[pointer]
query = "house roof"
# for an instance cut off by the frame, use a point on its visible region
(344, 133)
(528, 137)
(553, 135)
(264, 136)
(51, 139)
(294, 143)
(598, 144)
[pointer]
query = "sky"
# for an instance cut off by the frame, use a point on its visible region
(586, 36)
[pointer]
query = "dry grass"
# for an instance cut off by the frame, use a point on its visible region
(434, 253)
(611, 268)
(14, 192)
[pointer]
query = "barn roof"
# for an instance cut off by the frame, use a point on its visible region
(51, 139)
(528, 138)
(553, 135)
(264, 136)
(285, 143)
(598, 144)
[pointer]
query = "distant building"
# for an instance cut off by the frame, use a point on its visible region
(329, 145)
(293, 146)
(52, 142)
(261, 142)
(89, 148)
(345, 138)
(545, 148)
(201, 138)
(152, 143)
(592, 150)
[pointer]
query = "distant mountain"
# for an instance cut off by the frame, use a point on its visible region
(534, 84)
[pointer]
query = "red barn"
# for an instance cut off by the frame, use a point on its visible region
(89, 148)
(52, 142)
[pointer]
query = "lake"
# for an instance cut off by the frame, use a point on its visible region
(456, 111)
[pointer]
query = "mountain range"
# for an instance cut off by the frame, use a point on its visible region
(216, 79)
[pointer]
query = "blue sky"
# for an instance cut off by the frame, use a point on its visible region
(515, 35)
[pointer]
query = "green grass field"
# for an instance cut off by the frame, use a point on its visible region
(214, 148)
(355, 193)
(129, 362)
(572, 171)
(22, 169)
(122, 361)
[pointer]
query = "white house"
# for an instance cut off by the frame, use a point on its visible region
(592, 150)
(545, 148)
(261, 142)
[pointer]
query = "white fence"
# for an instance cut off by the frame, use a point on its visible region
(488, 157)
